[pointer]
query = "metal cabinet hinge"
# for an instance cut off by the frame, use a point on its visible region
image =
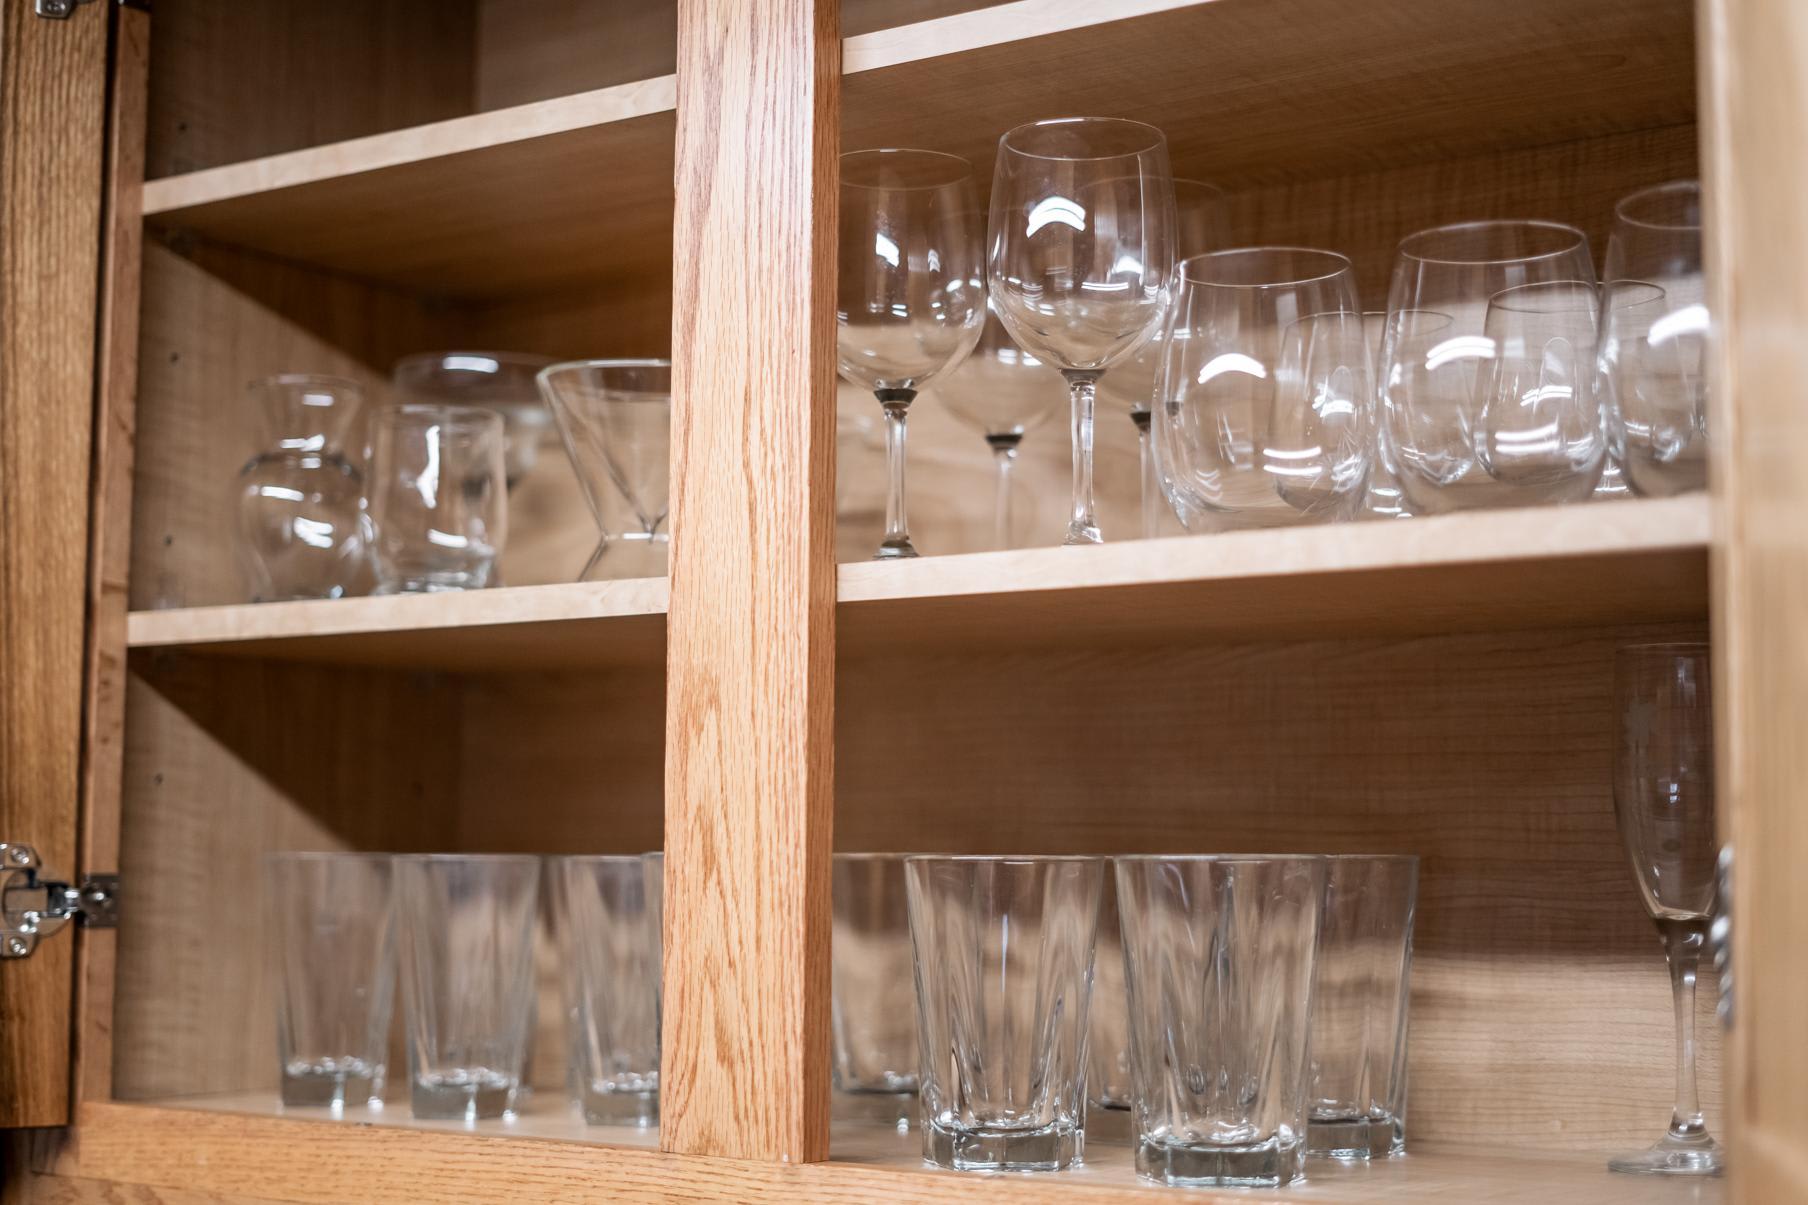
(56, 10)
(32, 907)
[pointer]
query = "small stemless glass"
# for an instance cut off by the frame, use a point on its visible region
(1003, 956)
(467, 957)
(1219, 955)
(332, 934)
(610, 942)
(1359, 1010)
(438, 498)
(1108, 1062)
(874, 1025)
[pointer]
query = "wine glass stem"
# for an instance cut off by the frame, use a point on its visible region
(1004, 455)
(1682, 945)
(896, 404)
(1083, 528)
(1151, 487)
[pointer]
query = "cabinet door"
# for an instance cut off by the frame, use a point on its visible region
(1755, 62)
(53, 126)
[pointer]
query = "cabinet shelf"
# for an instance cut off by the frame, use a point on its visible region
(245, 1144)
(1624, 562)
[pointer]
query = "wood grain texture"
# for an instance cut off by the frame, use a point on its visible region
(1541, 1010)
(751, 632)
(240, 1156)
(110, 540)
(53, 84)
(1754, 54)
(235, 81)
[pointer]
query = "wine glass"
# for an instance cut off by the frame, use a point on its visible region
(1080, 254)
(1202, 223)
(1654, 330)
(1663, 795)
(1004, 392)
(1433, 382)
(1264, 409)
(1538, 426)
(911, 295)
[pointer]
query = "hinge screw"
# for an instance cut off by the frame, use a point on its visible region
(19, 856)
(16, 947)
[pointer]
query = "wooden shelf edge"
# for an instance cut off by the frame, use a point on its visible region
(414, 144)
(995, 26)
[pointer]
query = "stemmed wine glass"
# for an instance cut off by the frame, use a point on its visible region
(911, 295)
(1663, 794)
(1004, 392)
(1080, 251)
(1201, 224)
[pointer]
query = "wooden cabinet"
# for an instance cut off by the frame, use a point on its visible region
(225, 190)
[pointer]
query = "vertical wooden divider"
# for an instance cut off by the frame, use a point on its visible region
(750, 657)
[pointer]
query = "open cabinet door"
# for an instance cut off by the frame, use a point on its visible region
(1755, 60)
(53, 128)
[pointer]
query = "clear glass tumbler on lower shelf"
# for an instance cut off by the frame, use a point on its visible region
(1003, 955)
(874, 1018)
(1219, 954)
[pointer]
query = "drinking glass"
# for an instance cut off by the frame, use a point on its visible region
(615, 417)
(1219, 953)
(911, 293)
(490, 380)
(610, 944)
(1081, 246)
(1108, 1062)
(467, 958)
(1202, 224)
(874, 1024)
(1003, 957)
(1003, 392)
(1264, 410)
(1489, 403)
(437, 498)
(332, 934)
(1382, 497)
(1655, 326)
(1360, 1007)
(1663, 796)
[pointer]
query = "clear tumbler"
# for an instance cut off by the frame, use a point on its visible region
(609, 939)
(1003, 954)
(1108, 1069)
(467, 946)
(437, 497)
(1359, 1012)
(874, 1022)
(1218, 954)
(332, 933)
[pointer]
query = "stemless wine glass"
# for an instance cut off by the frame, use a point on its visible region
(1264, 408)
(1435, 374)
(1004, 392)
(615, 417)
(911, 293)
(1654, 330)
(492, 380)
(1201, 224)
(437, 498)
(1080, 254)
(1663, 795)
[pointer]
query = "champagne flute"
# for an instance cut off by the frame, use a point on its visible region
(911, 295)
(1080, 254)
(1663, 795)
(1004, 392)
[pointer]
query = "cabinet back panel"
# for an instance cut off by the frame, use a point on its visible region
(1541, 1009)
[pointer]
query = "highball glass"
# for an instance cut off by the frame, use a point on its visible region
(467, 959)
(1003, 959)
(437, 497)
(1219, 955)
(1359, 1011)
(332, 936)
(1108, 1083)
(874, 1024)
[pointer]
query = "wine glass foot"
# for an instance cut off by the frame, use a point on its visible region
(1672, 1156)
(1078, 533)
(895, 550)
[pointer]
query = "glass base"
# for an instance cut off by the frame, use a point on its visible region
(990, 1149)
(1353, 1138)
(896, 550)
(1079, 533)
(1673, 1156)
(331, 1084)
(621, 1108)
(1270, 1164)
(463, 1095)
(896, 1109)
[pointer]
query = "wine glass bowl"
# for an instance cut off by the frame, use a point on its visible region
(1537, 428)
(615, 417)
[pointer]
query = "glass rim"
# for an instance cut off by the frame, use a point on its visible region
(517, 359)
(462, 418)
(875, 856)
(1577, 240)
(1159, 141)
(1515, 293)
(330, 380)
(591, 859)
(1337, 262)
(1012, 859)
(1650, 191)
(964, 172)
(1209, 858)
(1412, 858)
(483, 859)
(562, 368)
